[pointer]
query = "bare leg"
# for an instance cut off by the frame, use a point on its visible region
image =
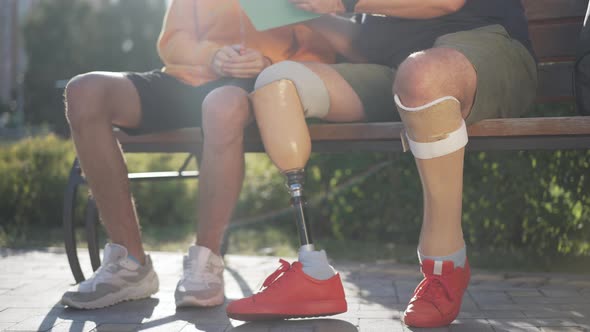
(345, 105)
(225, 114)
(422, 78)
(95, 101)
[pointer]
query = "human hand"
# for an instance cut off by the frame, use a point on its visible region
(320, 6)
(245, 64)
(221, 57)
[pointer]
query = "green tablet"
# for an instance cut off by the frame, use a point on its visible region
(268, 14)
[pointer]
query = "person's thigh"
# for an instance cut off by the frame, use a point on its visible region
(169, 104)
(358, 92)
(372, 84)
(506, 72)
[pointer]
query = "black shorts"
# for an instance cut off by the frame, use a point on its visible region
(168, 104)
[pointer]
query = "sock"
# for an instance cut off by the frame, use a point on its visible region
(132, 258)
(458, 258)
(315, 264)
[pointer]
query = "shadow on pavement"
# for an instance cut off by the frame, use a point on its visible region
(84, 320)
(316, 325)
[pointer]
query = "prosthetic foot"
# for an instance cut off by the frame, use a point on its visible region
(288, 292)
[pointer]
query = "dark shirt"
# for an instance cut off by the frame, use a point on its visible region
(389, 40)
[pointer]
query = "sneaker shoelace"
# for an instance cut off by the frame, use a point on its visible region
(104, 273)
(432, 287)
(274, 278)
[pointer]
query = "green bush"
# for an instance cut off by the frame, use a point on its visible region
(536, 202)
(33, 176)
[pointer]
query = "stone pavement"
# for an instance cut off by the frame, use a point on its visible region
(31, 283)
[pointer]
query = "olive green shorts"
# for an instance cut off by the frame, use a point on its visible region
(506, 76)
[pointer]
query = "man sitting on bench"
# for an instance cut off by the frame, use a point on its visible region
(205, 83)
(455, 62)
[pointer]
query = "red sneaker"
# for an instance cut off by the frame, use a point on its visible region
(437, 299)
(290, 293)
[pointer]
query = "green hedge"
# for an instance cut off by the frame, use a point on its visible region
(533, 201)
(32, 178)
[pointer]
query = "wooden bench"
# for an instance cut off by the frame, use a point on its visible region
(554, 26)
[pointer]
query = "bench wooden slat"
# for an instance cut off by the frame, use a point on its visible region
(554, 9)
(556, 126)
(546, 126)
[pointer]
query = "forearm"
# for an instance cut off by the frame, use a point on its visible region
(339, 32)
(182, 48)
(410, 9)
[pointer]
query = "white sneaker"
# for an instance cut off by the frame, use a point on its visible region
(118, 279)
(201, 284)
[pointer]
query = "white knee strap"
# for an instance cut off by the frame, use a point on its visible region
(435, 129)
(310, 87)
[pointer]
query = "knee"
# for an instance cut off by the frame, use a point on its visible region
(226, 112)
(432, 74)
(83, 96)
(310, 87)
(279, 71)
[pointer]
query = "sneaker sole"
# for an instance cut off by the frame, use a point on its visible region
(315, 309)
(125, 294)
(191, 301)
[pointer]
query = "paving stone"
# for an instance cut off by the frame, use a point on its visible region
(379, 325)
(469, 325)
(471, 314)
(249, 327)
(11, 283)
(532, 306)
(36, 323)
(4, 326)
(117, 328)
(562, 329)
(551, 300)
(522, 293)
(583, 323)
(199, 328)
(17, 315)
(504, 314)
(312, 325)
(539, 322)
(438, 329)
(510, 325)
(490, 298)
(548, 312)
(44, 300)
(377, 306)
(71, 326)
(468, 304)
(560, 292)
(377, 294)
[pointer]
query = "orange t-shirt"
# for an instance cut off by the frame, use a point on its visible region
(195, 29)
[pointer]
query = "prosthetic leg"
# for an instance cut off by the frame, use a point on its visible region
(285, 135)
